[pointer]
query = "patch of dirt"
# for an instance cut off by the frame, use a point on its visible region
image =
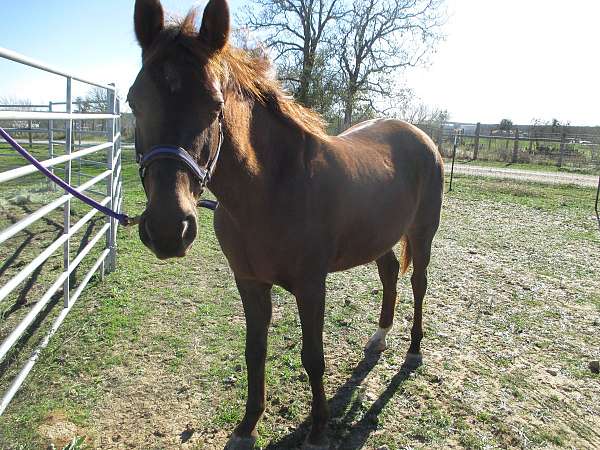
(147, 403)
(57, 430)
(149, 409)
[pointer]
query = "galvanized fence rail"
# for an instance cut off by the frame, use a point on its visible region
(110, 151)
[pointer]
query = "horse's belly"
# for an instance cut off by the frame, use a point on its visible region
(348, 261)
(362, 247)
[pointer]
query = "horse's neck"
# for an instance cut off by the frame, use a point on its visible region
(255, 148)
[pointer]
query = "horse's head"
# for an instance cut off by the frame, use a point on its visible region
(177, 101)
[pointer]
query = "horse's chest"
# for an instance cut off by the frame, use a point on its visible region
(254, 250)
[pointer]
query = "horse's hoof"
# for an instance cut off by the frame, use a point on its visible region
(240, 443)
(377, 343)
(413, 360)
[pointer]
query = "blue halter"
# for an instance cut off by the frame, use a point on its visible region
(201, 174)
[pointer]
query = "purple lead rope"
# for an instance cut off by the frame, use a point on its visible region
(123, 219)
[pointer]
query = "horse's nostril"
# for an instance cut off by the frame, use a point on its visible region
(188, 233)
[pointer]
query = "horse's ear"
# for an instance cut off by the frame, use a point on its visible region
(214, 31)
(149, 20)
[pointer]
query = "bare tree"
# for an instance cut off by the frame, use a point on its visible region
(380, 37)
(13, 103)
(297, 31)
(419, 113)
(96, 100)
(244, 39)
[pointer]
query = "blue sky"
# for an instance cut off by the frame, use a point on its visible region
(93, 39)
(519, 59)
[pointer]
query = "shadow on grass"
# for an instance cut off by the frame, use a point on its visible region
(85, 239)
(13, 259)
(21, 300)
(6, 364)
(345, 408)
(8, 262)
(22, 297)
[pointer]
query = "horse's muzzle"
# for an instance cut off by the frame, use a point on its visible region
(168, 240)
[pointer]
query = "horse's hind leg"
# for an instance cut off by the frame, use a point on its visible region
(420, 247)
(388, 267)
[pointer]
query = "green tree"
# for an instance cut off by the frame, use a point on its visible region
(505, 125)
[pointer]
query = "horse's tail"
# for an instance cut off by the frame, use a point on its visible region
(406, 254)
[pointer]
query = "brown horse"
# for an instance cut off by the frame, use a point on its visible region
(294, 203)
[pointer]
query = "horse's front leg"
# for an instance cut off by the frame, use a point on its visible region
(310, 298)
(256, 298)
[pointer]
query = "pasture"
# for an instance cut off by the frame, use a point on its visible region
(152, 357)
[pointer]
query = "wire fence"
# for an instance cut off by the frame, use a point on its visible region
(48, 237)
(569, 149)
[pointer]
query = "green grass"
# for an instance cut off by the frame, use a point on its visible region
(157, 347)
(577, 200)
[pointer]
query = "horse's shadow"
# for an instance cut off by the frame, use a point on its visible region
(345, 407)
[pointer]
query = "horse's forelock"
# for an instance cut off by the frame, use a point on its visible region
(187, 25)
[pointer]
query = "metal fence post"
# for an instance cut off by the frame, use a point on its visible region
(78, 127)
(453, 158)
(515, 154)
(67, 207)
(117, 167)
(563, 142)
(476, 145)
(79, 162)
(597, 202)
(110, 154)
(51, 186)
(119, 187)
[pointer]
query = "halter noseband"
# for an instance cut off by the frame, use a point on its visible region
(201, 174)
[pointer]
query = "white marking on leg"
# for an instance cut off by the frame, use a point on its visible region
(377, 342)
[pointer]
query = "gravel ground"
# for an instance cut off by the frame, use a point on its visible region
(526, 175)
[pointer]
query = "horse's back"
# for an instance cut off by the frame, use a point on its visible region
(396, 135)
(404, 150)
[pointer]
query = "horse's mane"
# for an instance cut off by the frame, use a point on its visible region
(247, 75)
(252, 77)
